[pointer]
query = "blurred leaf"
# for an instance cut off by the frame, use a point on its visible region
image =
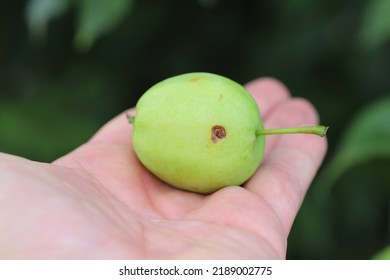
(366, 138)
(38, 15)
(384, 254)
(40, 132)
(96, 17)
(311, 237)
(376, 24)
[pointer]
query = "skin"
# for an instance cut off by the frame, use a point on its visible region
(99, 202)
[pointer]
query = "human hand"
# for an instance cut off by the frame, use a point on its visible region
(99, 202)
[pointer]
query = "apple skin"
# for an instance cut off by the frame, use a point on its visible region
(197, 132)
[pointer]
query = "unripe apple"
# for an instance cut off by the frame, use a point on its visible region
(201, 132)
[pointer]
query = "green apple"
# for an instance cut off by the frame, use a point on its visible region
(201, 132)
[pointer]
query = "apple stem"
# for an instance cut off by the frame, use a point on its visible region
(130, 118)
(319, 130)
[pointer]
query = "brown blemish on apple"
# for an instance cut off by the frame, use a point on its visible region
(218, 132)
(195, 79)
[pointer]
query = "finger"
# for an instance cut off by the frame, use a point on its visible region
(288, 169)
(268, 93)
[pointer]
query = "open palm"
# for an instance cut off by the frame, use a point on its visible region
(99, 202)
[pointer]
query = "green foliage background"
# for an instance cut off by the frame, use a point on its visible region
(68, 66)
